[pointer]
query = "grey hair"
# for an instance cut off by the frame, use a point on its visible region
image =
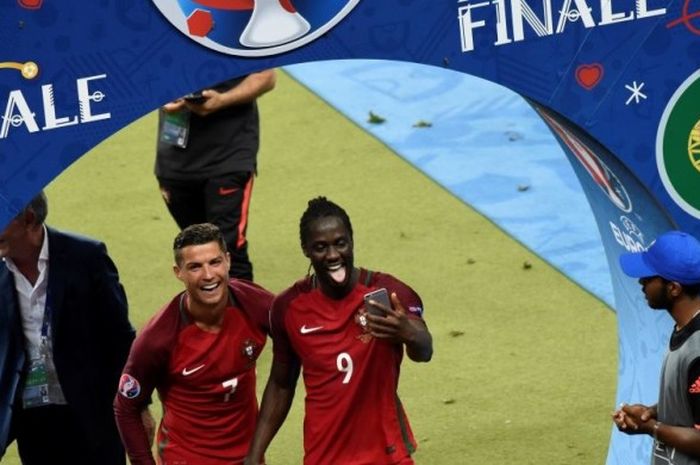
(39, 205)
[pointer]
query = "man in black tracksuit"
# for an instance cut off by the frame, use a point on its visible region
(207, 158)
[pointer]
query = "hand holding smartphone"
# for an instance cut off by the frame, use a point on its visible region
(380, 296)
(195, 97)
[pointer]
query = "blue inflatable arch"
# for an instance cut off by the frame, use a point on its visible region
(617, 81)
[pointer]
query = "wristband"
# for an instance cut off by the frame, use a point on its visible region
(655, 430)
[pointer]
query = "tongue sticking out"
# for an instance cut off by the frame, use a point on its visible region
(339, 275)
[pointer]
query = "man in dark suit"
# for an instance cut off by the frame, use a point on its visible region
(64, 338)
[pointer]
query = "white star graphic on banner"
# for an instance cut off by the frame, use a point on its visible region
(636, 90)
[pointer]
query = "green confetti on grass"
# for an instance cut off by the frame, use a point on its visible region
(375, 119)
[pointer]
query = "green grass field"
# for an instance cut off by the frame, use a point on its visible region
(525, 360)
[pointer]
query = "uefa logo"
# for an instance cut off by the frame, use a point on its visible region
(254, 28)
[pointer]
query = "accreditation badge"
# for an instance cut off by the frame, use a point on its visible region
(176, 128)
(36, 386)
(41, 386)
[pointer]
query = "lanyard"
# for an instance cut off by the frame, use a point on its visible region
(46, 323)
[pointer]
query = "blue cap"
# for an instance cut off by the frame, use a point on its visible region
(674, 256)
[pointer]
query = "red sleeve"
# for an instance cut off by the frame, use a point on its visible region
(282, 350)
(407, 296)
(255, 301)
(146, 366)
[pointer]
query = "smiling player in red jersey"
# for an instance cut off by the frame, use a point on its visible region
(199, 352)
(351, 359)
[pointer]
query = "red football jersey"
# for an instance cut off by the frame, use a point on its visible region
(353, 413)
(205, 380)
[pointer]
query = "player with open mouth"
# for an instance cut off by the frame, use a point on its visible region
(350, 345)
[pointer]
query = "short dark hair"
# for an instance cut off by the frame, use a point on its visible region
(321, 207)
(197, 234)
(39, 205)
(691, 290)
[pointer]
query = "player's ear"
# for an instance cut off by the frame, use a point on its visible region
(26, 218)
(305, 250)
(176, 271)
(228, 261)
(674, 288)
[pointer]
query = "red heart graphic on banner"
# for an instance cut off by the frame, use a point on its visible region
(30, 4)
(588, 76)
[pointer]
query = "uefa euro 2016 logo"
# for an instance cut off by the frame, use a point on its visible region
(129, 387)
(254, 28)
(678, 146)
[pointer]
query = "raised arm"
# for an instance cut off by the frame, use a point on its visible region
(397, 325)
(253, 86)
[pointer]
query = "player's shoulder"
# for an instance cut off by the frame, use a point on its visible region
(163, 326)
(253, 300)
(687, 339)
(293, 292)
(286, 299)
(406, 294)
(693, 342)
(249, 290)
(383, 279)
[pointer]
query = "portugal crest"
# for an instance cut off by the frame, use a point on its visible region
(678, 146)
(250, 349)
(361, 321)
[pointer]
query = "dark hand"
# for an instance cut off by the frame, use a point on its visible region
(213, 102)
(394, 325)
(635, 419)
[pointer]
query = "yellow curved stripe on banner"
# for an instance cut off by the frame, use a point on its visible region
(29, 69)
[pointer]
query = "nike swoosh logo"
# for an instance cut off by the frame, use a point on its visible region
(224, 191)
(305, 330)
(186, 372)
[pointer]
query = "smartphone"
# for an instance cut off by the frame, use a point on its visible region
(381, 296)
(195, 97)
